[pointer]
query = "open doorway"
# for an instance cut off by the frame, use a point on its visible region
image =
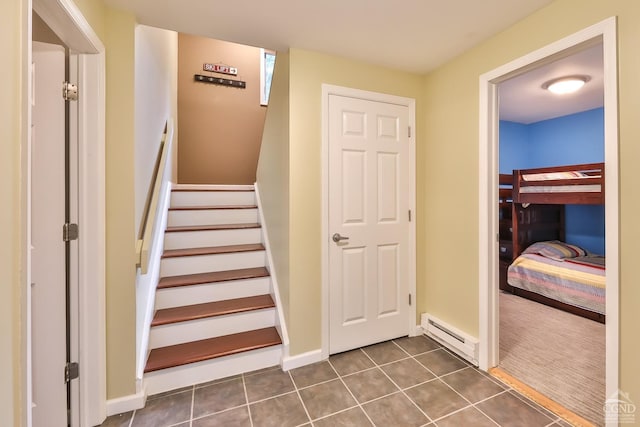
(604, 33)
(552, 304)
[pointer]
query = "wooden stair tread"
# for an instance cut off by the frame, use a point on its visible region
(211, 227)
(215, 276)
(211, 348)
(211, 309)
(212, 250)
(212, 207)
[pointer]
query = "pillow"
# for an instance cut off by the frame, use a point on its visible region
(555, 249)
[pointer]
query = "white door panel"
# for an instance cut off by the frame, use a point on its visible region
(369, 200)
(48, 292)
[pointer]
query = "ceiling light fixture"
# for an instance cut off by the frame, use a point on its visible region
(565, 85)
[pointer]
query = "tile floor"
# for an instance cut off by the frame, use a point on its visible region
(404, 382)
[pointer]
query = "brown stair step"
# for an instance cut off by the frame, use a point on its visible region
(211, 348)
(212, 250)
(211, 309)
(212, 277)
(211, 227)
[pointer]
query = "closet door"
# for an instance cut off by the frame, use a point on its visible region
(369, 173)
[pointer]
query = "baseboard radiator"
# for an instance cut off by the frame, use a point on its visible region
(455, 340)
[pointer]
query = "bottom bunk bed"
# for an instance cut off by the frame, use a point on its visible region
(563, 276)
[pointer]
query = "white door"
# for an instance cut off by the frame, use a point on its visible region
(369, 202)
(48, 290)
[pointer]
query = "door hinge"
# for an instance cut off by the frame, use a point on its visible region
(71, 371)
(69, 91)
(409, 215)
(69, 232)
(409, 131)
(409, 299)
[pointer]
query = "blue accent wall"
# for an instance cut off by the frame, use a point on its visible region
(572, 139)
(577, 138)
(515, 149)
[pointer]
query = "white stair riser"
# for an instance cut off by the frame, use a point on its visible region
(209, 263)
(209, 370)
(194, 330)
(212, 217)
(212, 198)
(209, 292)
(219, 187)
(203, 239)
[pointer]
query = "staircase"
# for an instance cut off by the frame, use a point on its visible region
(215, 315)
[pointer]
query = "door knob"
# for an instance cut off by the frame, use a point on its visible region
(337, 237)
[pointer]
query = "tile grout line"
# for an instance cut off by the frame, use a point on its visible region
(544, 411)
(439, 377)
(471, 404)
(219, 412)
(358, 404)
(534, 405)
(299, 397)
(484, 400)
(430, 420)
(193, 400)
(246, 399)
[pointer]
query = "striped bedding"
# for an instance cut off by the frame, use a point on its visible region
(578, 282)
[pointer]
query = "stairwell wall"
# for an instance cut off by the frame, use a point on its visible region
(156, 101)
(219, 127)
(272, 175)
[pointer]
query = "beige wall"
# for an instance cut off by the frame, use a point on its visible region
(273, 175)
(120, 203)
(450, 133)
(11, 220)
(308, 70)
(220, 127)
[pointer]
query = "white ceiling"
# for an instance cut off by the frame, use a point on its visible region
(409, 35)
(523, 100)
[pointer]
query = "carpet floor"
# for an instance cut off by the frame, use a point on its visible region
(561, 355)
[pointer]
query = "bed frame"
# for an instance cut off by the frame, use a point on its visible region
(547, 198)
(588, 190)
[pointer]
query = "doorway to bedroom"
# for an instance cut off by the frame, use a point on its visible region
(543, 345)
(551, 252)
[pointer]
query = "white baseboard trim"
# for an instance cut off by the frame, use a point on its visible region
(128, 403)
(275, 289)
(417, 331)
(292, 362)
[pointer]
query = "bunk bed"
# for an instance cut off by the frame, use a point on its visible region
(565, 185)
(535, 262)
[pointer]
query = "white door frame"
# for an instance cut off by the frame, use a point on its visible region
(328, 90)
(605, 32)
(89, 336)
